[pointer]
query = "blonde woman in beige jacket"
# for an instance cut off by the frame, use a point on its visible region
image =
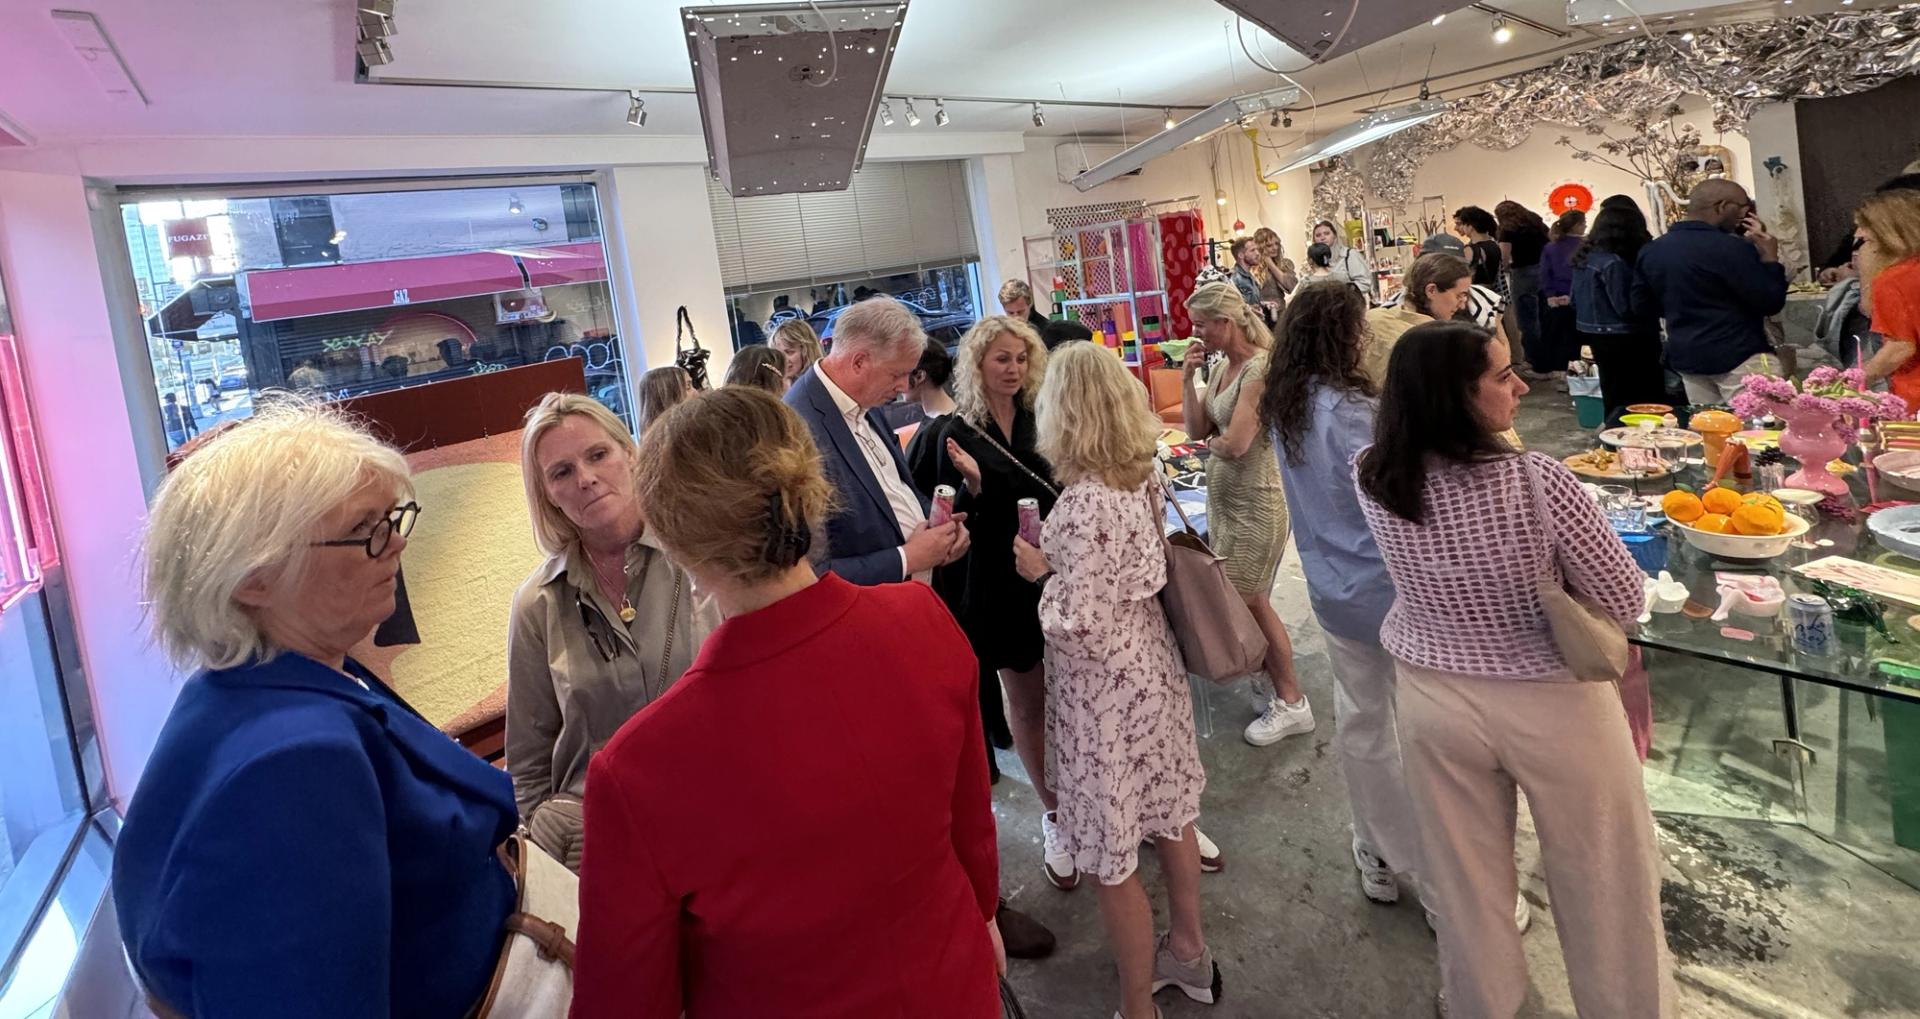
(601, 629)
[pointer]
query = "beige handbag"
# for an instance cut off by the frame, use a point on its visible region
(534, 978)
(1216, 631)
(1592, 643)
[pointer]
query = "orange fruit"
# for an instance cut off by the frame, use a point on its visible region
(1763, 499)
(1757, 518)
(1682, 506)
(1718, 523)
(1722, 501)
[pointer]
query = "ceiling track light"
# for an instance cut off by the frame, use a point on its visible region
(1169, 123)
(1039, 118)
(636, 109)
(374, 52)
(1502, 32)
(1286, 120)
(940, 117)
(514, 208)
(913, 117)
(1275, 122)
(886, 113)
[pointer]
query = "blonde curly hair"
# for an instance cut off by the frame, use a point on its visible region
(1093, 419)
(969, 388)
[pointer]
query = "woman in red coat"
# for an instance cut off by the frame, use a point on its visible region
(801, 825)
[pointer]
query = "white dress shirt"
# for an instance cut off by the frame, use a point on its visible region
(906, 505)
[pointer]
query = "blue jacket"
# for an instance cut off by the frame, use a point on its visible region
(1715, 294)
(300, 847)
(863, 536)
(1610, 297)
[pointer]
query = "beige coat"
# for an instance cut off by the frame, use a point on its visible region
(575, 673)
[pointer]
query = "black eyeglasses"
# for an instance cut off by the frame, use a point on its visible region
(399, 521)
(1858, 243)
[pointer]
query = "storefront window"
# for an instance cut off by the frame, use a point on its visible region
(41, 806)
(947, 299)
(344, 294)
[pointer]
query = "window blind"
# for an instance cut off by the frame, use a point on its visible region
(893, 217)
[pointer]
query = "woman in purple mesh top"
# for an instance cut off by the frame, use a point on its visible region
(1485, 703)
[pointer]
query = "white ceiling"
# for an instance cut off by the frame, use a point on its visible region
(285, 67)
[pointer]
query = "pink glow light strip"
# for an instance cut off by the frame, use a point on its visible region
(27, 547)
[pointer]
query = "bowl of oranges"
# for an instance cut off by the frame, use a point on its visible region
(1733, 525)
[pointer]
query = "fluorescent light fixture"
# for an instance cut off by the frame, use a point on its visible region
(1220, 116)
(1589, 12)
(1324, 29)
(89, 39)
(789, 92)
(1371, 128)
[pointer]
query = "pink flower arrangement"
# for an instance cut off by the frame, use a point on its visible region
(1828, 391)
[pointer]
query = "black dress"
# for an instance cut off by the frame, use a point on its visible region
(997, 608)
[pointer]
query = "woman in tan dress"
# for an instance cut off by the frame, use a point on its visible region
(1246, 510)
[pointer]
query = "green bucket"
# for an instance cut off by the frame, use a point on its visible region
(1591, 410)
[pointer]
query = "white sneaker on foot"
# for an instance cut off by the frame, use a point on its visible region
(1211, 861)
(1522, 915)
(1279, 721)
(1376, 878)
(1057, 863)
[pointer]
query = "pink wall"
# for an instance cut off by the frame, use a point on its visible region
(59, 304)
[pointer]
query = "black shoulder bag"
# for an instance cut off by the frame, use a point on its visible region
(692, 360)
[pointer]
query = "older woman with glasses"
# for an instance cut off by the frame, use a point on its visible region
(602, 628)
(302, 843)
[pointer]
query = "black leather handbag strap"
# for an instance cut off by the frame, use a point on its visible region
(683, 330)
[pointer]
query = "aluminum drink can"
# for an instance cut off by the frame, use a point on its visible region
(1030, 521)
(1810, 619)
(942, 505)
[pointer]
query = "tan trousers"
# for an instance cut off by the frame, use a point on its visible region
(1468, 742)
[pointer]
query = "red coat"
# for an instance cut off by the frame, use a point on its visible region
(800, 826)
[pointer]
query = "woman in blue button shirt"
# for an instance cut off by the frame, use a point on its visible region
(302, 843)
(1320, 406)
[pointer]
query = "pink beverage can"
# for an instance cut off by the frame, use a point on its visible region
(942, 505)
(1030, 521)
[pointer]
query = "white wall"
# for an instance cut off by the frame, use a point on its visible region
(59, 302)
(1775, 131)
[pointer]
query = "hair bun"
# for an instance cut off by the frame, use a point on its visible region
(787, 542)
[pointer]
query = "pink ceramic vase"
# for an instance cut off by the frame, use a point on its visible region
(1814, 438)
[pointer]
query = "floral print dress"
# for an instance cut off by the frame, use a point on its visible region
(1120, 744)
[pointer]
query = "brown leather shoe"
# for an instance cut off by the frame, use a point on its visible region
(1025, 937)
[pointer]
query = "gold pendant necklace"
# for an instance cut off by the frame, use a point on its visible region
(627, 611)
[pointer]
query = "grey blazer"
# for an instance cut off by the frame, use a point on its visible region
(575, 673)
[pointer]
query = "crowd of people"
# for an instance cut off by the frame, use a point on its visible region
(708, 716)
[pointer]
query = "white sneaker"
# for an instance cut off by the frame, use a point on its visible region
(1279, 721)
(1210, 859)
(1057, 863)
(1376, 878)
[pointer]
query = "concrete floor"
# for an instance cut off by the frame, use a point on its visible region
(1764, 919)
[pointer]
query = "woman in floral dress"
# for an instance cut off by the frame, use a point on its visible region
(1120, 745)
